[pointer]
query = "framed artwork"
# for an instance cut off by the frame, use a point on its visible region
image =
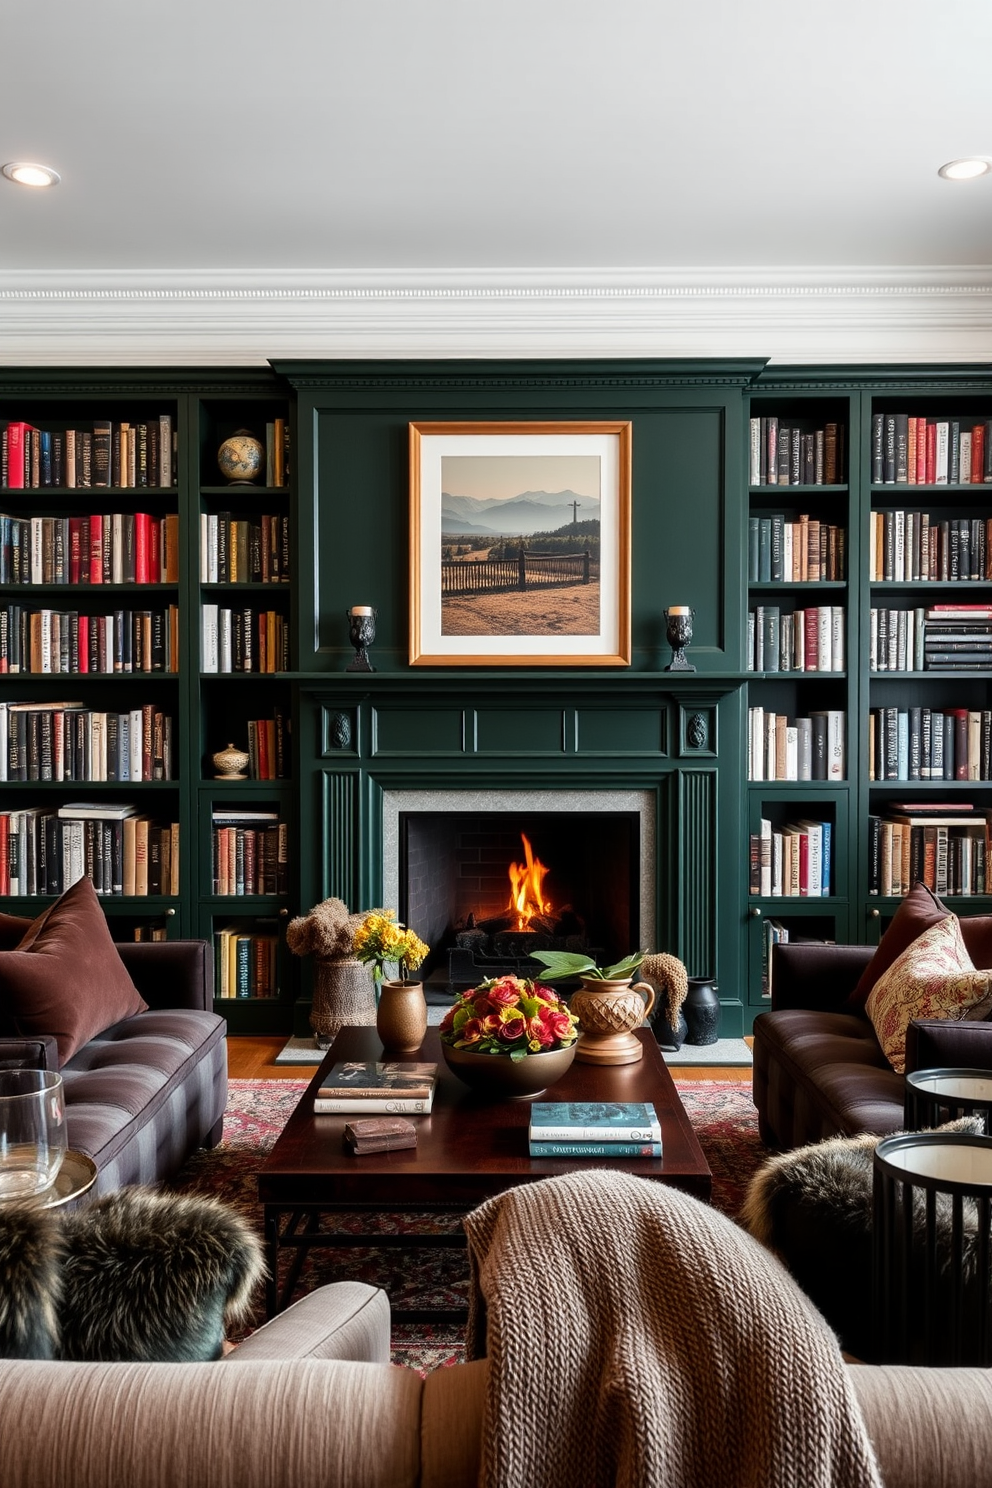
(520, 544)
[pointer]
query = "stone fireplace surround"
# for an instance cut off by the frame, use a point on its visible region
(662, 746)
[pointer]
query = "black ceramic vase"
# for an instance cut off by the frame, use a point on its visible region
(702, 1011)
(670, 1037)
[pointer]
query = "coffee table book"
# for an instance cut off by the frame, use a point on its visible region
(595, 1149)
(373, 1087)
(594, 1121)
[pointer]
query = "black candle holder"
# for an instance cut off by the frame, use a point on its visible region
(361, 633)
(678, 629)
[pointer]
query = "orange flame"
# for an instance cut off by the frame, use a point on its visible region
(526, 887)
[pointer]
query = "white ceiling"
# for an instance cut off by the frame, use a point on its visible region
(493, 169)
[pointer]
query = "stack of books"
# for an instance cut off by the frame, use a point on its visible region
(391, 1088)
(594, 1129)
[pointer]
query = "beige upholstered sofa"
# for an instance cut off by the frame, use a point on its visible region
(310, 1401)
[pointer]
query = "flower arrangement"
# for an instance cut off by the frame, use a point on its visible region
(380, 938)
(327, 932)
(509, 1015)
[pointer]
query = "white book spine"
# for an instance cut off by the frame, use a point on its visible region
(754, 475)
(836, 745)
(209, 659)
(134, 741)
(837, 634)
(941, 463)
(824, 625)
(204, 548)
(225, 648)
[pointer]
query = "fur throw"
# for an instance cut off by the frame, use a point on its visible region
(813, 1207)
(136, 1276)
(327, 931)
(668, 976)
(30, 1281)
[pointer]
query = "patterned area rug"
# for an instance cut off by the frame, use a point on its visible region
(721, 1113)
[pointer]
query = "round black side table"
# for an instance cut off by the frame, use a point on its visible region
(931, 1252)
(934, 1096)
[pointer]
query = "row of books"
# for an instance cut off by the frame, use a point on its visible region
(62, 741)
(799, 552)
(813, 748)
(384, 1087)
(124, 453)
(915, 547)
(921, 743)
(99, 548)
(74, 641)
(810, 640)
(617, 1129)
(919, 451)
(795, 454)
(268, 747)
(944, 638)
(792, 860)
(243, 640)
(246, 961)
(125, 854)
(242, 551)
(249, 853)
(949, 854)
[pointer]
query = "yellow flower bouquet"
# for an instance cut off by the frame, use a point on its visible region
(380, 938)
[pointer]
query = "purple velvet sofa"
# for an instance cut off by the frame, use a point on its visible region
(144, 1093)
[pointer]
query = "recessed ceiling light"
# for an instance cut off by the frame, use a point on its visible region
(26, 173)
(965, 170)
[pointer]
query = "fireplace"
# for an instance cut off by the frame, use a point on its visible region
(486, 877)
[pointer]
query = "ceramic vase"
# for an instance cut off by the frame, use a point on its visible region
(401, 1018)
(608, 1012)
(702, 1011)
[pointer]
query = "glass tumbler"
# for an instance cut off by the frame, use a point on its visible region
(32, 1131)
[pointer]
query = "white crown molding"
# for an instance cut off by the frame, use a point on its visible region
(240, 318)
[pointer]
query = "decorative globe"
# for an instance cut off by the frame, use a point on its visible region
(241, 458)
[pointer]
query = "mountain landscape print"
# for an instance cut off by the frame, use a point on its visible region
(520, 545)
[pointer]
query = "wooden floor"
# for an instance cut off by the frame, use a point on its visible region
(253, 1058)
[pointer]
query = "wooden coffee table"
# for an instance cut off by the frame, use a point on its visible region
(468, 1149)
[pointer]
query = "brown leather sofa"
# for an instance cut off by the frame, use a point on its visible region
(819, 1070)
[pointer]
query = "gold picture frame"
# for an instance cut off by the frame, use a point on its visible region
(484, 594)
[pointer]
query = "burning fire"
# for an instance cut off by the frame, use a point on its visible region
(526, 891)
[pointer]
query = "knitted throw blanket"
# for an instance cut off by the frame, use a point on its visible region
(638, 1338)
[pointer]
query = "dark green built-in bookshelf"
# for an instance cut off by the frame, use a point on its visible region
(348, 742)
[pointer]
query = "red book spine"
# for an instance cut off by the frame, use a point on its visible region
(4, 855)
(96, 548)
(84, 643)
(141, 533)
(921, 452)
(931, 466)
(977, 454)
(155, 550)
(147, 727)
(812, 624)
(261, 735)
(803, 843)
(16, 444)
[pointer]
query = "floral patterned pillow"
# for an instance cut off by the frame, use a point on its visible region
(934, 977)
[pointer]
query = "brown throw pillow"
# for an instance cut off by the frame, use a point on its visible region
(66, 978)
(920, 910)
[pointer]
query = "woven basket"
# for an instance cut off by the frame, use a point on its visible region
(342, 994)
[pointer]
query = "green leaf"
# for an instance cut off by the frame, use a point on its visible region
(626, 967)
(564, 964)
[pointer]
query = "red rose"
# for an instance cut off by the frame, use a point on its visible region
(539, 1032)
(560, 1024)
(505, 992)
(491, 1025)
(470, 1031)
(448, 1020)
(513, 1029)
(482, 1006)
